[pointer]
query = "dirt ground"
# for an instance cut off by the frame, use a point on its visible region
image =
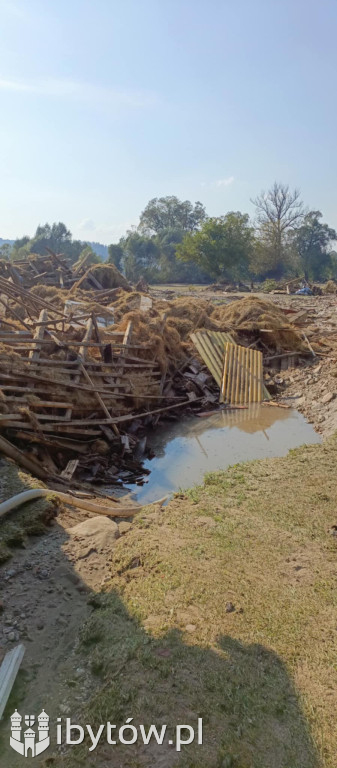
(221, 605)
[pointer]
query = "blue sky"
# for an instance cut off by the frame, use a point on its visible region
(107, 104)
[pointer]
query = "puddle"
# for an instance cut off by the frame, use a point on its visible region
(187, 449)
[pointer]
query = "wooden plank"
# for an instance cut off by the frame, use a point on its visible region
(113, 420)
(210, 345)
(98, 397)
(8, 672)
(242, 375)
(87, 336)
(67, 385)
(69, 470)
(10, 450)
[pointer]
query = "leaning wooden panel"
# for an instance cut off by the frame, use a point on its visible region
(210, 345)
(242, 380)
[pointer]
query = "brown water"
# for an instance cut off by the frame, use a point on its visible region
(187, 449)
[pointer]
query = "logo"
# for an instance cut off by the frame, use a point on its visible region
(30, 747)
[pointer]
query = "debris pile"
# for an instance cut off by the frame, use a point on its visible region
(77, 390)
(86, 368)
(53, 269)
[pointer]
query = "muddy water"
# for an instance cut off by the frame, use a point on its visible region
(187, 449)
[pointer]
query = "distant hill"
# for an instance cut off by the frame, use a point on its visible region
(99, 248)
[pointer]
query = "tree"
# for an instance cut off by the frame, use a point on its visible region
(116, 254)
(222, 247)
(171, 213)
(313, 243)
(87, 257)
(20, 248)
(279, 213)
(141, 256)
(5, 251)
(56, 237)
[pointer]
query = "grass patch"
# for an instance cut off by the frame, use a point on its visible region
(224, 607)
(29, 520)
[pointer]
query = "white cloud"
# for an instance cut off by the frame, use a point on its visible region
(87, 92)
(87, 225)
(225, 182)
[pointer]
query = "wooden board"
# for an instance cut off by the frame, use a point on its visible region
(242, 380)
(8, 672)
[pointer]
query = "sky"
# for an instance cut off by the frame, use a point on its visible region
(106, 104)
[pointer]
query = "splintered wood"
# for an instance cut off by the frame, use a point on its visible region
(242, 380)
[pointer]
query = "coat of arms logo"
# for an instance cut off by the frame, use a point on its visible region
(30, 746)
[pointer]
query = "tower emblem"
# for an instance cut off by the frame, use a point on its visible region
(30, 746)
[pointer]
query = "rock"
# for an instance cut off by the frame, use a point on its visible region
(12, 572)
(40, 624)
(124, 527)
(2, 606)
(230, 607)
(79, 672)
(328, 397)
(43, 574)
(11, 636)
(190, 627)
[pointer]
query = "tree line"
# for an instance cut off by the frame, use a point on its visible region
(177, 242)
(54, 236)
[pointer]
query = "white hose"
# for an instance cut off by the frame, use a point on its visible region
(36, 493)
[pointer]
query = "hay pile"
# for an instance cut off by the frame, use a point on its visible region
(262, 320)
(249, 319)
(106, 274)
(56, 296)
(330, 287)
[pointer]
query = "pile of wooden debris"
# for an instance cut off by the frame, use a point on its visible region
(87, 365)
(76, 393)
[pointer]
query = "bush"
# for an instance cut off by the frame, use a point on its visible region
(269, 285)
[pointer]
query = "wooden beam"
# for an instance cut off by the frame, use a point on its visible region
(8, 672)
(98, 397)
(87, 336)
(10, 450)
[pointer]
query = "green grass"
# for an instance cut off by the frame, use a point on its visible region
(164, 649)
(30, 519)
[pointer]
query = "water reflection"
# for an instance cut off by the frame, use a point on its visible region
(187, 449)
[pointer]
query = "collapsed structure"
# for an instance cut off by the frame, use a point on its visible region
(87, 364)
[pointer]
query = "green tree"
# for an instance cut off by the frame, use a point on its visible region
(279, 213)
(222, 247)
(141, 256)
(87, 257)
(116, 254)
(171, 213)
(54, 236)
(20, 248)
(5, 251)
(313, 243)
